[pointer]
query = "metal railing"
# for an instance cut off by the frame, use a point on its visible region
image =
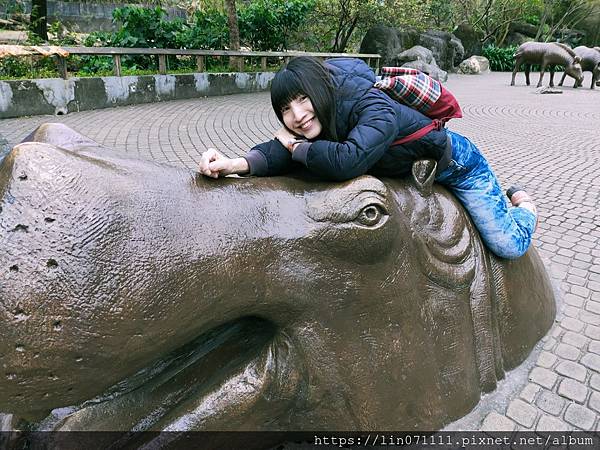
(200, 55)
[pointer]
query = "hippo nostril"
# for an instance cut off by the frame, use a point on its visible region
(52, 263)
(23, 177)
(20, 315)
(49, 219)
(57, 326)
(21, 227)
(14, 268)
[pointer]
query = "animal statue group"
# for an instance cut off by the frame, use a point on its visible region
(547, 54)
(590, 61)
(140, 296)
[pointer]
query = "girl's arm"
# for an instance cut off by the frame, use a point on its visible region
(376, 127)
(214, 164)
(267, 159)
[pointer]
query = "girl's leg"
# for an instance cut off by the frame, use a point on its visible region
(505, 231)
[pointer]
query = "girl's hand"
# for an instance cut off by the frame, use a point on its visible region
(213, 164)
(284, 136)
(287, 139)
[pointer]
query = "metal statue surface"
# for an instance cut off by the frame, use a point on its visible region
(147, 297)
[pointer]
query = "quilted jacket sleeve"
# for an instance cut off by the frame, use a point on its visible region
(375, 128)
(269, 159)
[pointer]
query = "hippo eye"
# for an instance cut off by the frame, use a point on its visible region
(371, 215)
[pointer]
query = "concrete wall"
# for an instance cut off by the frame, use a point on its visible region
(82, 16)
(58, 96)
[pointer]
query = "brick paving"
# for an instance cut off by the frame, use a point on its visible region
(548, 143)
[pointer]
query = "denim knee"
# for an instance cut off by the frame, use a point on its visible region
(509, 252)
(515, 244)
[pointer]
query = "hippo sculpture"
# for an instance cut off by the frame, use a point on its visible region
(139, 296)
(547, 54)
(590, 61)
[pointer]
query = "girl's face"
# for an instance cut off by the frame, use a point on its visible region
(299, 116)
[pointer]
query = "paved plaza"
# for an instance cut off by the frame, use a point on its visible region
(548, 143)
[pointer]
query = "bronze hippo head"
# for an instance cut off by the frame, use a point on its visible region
(146, 297)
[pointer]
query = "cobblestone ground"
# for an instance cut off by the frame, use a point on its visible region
(548, 143)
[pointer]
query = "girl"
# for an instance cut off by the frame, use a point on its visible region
(339, 127)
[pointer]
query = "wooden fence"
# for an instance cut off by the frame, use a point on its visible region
(200, 55)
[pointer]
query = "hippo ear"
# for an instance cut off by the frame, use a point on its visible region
(61, 136)
(423, 172)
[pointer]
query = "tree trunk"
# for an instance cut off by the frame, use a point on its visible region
(343, 36)
(543, 19)
(235, 63)
(38, 23)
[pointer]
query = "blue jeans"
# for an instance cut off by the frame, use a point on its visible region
(505, 231)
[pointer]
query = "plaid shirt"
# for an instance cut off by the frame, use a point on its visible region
(410, 86)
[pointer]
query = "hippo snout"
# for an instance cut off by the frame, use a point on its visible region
(118, 270)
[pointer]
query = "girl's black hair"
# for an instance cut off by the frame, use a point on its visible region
(305, 75)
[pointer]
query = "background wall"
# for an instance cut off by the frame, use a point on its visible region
(80, 16)
(58, 96)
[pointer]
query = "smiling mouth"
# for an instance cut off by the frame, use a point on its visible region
(212, 383)
(306, 125)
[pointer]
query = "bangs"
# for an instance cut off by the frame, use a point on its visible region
(306, 76)
(286, 86)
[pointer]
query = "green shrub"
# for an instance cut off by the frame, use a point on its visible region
(209, 30)
(61, 35)
(264, 25)
(13, 67)
(140, 27)
(501, 58)
(147, 27)
(268, 24)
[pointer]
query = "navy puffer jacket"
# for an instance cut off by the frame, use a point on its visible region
(367, 122)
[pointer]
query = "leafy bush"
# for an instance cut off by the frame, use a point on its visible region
(36, 66)
(501, 58)
(209, 30)
(146, 27)
(264, 25)
(61, 35)
(268, 24)
(27, 67)
(140, 27)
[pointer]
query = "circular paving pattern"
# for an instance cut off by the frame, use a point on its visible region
(549, 143)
